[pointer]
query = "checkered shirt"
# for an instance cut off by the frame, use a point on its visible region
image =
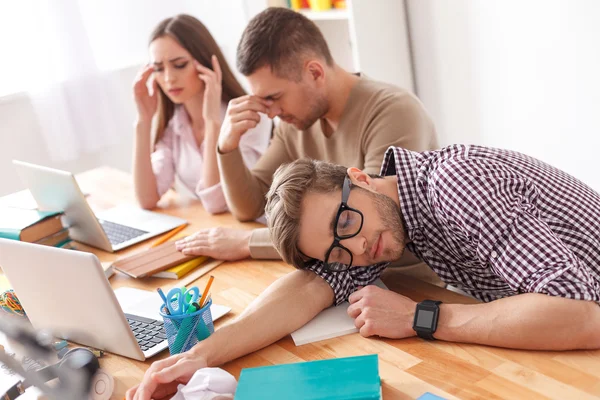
(494, 223)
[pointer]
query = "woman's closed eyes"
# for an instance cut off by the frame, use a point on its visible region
(179, 65)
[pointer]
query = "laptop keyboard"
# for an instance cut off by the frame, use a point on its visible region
(148, 332)
(118, 234)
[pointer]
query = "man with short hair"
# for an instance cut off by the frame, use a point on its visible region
(514, 232)
(326, 113)
(517, 234)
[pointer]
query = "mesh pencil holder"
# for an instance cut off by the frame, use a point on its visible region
(184, 331)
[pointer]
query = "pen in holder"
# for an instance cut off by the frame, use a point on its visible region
(185, 330)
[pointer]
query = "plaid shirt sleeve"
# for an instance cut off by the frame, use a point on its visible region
(495, 209)
(345, 283)
(531, 259)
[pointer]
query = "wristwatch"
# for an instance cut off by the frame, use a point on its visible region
(426, 318)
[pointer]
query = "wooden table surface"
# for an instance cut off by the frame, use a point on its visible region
(408, 367)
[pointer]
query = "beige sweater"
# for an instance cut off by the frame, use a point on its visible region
(376, 116)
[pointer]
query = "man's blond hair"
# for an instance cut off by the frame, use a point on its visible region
(284, 201)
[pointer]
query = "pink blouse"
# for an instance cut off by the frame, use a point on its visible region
(177, 155)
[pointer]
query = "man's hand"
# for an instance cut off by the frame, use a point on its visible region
(242, 115)
(382, 312)
(218, 243)
(161, 379)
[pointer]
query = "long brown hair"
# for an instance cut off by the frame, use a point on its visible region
(193, 36)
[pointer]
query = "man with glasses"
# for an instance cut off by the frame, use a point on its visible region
(518, 234)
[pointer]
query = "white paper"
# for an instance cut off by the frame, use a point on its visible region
(208, 384)
(147, 304)
(329, 323)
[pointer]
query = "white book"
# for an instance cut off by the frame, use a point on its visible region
(329, 323)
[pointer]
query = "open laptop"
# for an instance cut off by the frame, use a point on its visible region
(110, 230)
(67, 292)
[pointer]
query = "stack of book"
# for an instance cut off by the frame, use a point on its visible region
(339, 378)
(34, 226)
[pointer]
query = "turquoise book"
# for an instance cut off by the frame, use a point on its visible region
(28, 225)
(349, 378)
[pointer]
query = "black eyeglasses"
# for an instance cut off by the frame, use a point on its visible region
(347, 224)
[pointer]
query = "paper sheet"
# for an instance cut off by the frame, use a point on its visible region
(147, 304)
(331, 322)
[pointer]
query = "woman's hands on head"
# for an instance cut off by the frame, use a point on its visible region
(212, 78)
(146, 99)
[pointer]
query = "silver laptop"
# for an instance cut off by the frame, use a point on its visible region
(110, 230)
(67, 292)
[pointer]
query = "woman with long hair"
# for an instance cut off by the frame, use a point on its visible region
(186, 86)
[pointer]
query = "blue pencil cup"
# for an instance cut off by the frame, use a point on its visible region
(184, 331)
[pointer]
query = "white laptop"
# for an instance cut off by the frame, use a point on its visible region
(67, 292)
(109, 230)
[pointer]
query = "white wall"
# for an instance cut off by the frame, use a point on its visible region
(21, 138)
(118, 31)
(517, 74)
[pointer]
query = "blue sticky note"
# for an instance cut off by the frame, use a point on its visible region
(430, 396)
(351, 378)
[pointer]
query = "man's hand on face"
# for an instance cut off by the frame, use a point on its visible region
(242, 115)
(382, 313)
(161, 379)
(218, 243)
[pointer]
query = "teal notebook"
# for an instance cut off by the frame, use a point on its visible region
(352, 378)
(14, 221)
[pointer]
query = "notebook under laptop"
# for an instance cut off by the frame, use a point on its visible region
(109, 230)
(67, 292)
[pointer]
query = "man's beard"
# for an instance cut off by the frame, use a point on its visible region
(318, 108)
(389, 213)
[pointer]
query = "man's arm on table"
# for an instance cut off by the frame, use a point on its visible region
(245, 192)
(528, 321)
(286, 305)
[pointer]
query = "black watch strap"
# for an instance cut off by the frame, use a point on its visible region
(427, 333)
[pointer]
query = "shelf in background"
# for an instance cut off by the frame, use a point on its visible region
(329, 15)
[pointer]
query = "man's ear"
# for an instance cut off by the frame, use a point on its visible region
(316, 71)
(361, 178)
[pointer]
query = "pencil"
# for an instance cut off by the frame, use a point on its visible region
(205, 293)
(168, 235)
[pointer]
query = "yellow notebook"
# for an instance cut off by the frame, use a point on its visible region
(180, 270)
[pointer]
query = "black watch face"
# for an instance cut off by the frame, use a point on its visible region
(425, 319)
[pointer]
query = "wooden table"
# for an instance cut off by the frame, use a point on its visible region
(408, 367)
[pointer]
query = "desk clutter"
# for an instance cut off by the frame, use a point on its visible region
(338, 378)
(34, 226)
(187, 317)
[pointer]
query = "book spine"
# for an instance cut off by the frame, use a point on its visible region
(64, 242)
(12, 234)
